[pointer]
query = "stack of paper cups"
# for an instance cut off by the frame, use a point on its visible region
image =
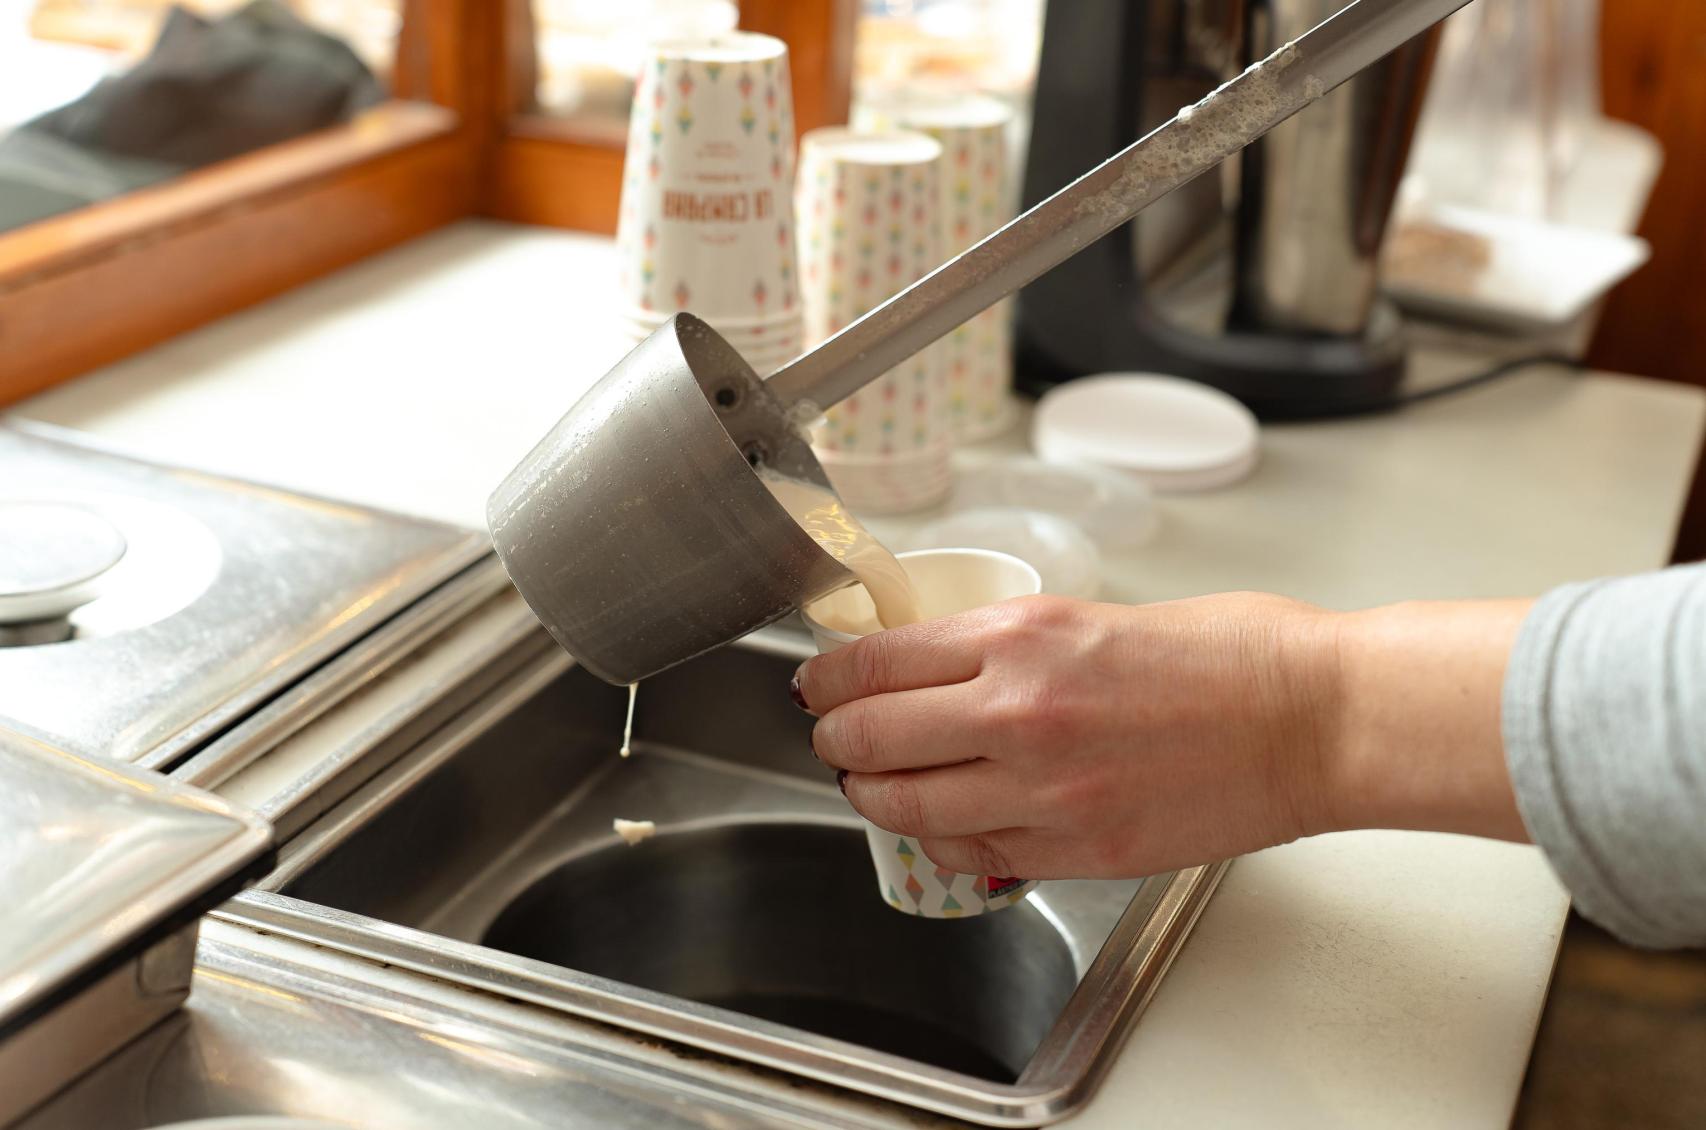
(706, 221)
(948, 581)
(869, 209)
(976, 200)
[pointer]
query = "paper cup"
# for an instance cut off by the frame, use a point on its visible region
(730, 325)
(869, 212)
(948, 581)
(888, 484)
(764, 343)
(976, 200)
(706, 216)
(735, 329)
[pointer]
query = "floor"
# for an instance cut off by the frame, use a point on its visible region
(1622, 1042)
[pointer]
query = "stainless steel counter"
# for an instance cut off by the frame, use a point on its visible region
(226, 592)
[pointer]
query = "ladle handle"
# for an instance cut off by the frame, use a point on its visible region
(1106, 197)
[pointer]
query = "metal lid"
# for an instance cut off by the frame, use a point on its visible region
(226, 593)
(101, 861)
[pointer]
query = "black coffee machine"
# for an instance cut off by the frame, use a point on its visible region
(1259, 280)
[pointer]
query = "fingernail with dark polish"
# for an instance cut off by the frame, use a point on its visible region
(794, 693)
(841, 781)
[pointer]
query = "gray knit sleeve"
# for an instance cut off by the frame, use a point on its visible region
(1605, 735)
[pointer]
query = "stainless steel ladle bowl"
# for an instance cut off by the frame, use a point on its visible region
(638, 530)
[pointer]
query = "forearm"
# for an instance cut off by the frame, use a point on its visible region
(1417, 741)
(1053, 738)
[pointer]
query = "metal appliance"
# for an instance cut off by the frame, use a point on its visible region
(1260, 281)
(187, 599)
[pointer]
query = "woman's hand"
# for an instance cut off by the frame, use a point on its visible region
(1050, 738)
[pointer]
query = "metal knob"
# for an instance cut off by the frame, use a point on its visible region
(53, 558)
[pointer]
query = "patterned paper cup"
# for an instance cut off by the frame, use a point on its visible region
(869, 211)
(768, 360)
(765, 346)
(894, 483)
(768, 366)
(948, 581)
(764, 364)
(976, 200)
(706, 219)
(728, 327)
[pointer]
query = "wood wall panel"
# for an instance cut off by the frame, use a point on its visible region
(819, 35)
(1654, 54)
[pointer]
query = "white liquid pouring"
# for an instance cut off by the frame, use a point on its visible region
(821, 514)
(628, 726)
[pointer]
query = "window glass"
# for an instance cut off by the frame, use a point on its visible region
(588, 52)
(911, 50)
(101, 97)
(947, 47)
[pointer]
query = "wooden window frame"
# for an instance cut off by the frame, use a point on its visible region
(91, 286)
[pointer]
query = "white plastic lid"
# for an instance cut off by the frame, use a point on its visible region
(1115, 509)
(1061, 553)
(1174, 434)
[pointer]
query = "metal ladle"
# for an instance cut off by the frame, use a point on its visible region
(638, 530)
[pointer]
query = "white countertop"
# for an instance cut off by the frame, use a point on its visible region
(1369, 978)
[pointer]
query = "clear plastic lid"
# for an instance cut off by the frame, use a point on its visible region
(1061, 553)
(1114, 509)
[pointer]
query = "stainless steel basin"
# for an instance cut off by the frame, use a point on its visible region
(783, 922)
(749, 927)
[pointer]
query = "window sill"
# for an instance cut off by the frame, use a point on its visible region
(90, 286)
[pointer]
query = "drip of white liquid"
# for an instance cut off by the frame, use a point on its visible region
(820, 513)
(628, 726)
(633, 831)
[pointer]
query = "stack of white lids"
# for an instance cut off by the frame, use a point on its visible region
(1174, 434)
